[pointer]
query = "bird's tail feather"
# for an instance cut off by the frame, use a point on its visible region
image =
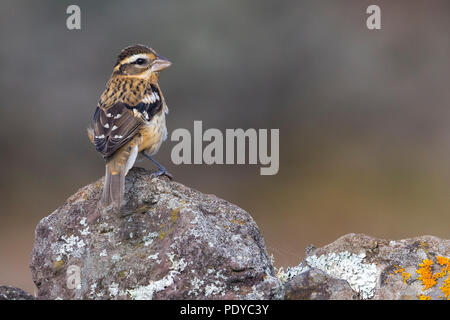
(117, 168)
(114, 187)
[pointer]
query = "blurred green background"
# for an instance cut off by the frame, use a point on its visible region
(364, 115)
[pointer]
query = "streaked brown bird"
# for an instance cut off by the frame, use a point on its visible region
(130, 118)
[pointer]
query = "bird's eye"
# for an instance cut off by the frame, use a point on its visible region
(140, 61)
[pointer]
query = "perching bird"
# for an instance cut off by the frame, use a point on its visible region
(130, 118)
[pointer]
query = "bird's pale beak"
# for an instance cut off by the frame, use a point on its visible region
(160, 63)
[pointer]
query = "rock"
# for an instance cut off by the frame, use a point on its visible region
(172, 242)
(168, 242)
(12, 293)
(417, 268)
(313, 284)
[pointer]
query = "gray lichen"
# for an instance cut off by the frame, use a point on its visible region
(361, 276)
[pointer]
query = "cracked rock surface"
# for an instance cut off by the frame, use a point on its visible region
(168, 242)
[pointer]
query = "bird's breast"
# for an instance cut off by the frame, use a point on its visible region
(153, 133)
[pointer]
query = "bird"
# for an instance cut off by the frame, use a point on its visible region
(130, 118)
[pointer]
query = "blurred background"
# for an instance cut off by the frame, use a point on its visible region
(364, 116)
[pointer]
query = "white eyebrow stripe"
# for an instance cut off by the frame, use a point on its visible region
(134, 57)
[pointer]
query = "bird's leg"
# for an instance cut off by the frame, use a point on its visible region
(161, 169)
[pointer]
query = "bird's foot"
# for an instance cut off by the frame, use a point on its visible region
(162, 172)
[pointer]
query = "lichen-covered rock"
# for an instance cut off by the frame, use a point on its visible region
(168, 242)
(417, 268)
(314, 284)
(172, 242)
(12, 293)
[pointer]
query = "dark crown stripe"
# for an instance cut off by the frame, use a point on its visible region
(132, 50)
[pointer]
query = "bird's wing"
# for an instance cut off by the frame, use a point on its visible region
(114, 127)
(118, 124)
(151, 103)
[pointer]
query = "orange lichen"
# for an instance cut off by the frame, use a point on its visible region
(426, 275)
(446, 288)
(398, 270)
(424, 297)
(445, 263)
(238, 221)
(429, 279)
(405, 275)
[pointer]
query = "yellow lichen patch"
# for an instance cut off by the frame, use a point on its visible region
(424, 297)
(162, 234)
(405, 275)
(445, 263)
(399, 269)
(446, 288)
(174, 215)
(98, 185)
(238, 221)
(429, 279)
(426, 275)
(58, 265)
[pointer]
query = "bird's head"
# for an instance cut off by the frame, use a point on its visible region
(139, 61)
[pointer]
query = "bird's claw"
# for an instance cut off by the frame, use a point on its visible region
(162, 172)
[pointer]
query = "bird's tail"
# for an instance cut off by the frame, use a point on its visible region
(114, 187)
(117, 168)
